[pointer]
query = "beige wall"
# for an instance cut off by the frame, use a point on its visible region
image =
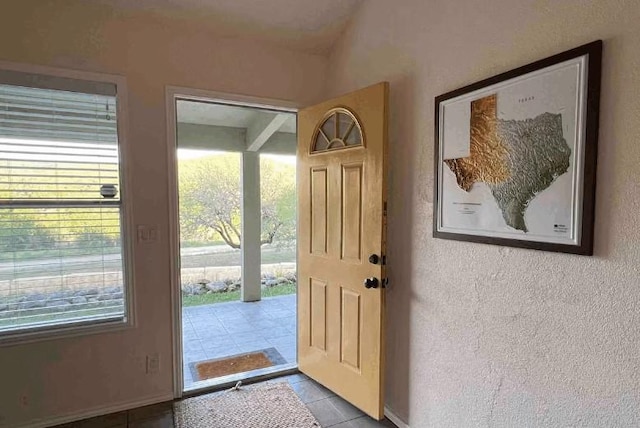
(483, 335)
(90, 373)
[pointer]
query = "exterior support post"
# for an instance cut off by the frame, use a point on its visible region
(251, 227)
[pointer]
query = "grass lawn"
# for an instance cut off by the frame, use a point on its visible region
(207, 299)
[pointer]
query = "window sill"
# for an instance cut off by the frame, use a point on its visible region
(75, 328)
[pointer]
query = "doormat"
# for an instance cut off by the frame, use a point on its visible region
(236, 364)
(272, 405)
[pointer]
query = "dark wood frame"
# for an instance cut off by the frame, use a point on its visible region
(594, 65)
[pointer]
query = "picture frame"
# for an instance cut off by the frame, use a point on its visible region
(515, 155)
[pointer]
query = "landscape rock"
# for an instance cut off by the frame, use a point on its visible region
(56, 295)
(87, 292)
(35, 297)
(235, 286)
(79, 300)
(192, 289)
(33, 304)
(271, 283)
(217, 287)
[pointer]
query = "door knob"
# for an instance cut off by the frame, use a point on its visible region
(374, 259)
(371, 282)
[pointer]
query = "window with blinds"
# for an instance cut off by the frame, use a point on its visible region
(61, 258)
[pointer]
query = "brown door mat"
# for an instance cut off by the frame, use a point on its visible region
(233, 364)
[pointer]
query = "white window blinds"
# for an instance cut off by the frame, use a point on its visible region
(60, 209)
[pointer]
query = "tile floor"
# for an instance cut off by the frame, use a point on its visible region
(331, 411)
(224, 329)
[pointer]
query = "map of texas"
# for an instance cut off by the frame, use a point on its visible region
(517, 159)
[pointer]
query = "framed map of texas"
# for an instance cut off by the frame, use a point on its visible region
(515, 156)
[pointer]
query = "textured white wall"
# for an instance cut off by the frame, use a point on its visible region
(487, 336)
(91, 373)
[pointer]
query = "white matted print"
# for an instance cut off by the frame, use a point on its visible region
(510, 159)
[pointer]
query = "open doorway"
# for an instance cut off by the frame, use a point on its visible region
(237, 213)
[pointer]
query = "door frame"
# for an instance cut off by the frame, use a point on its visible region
(173, 93)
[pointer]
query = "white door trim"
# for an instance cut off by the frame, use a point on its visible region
(171, 94)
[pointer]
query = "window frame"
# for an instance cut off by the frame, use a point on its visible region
(64, 329)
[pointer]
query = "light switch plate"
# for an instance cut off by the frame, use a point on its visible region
(147, 233)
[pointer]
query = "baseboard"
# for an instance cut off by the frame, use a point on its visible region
(394, 418)
(96, 411)
(127, 405)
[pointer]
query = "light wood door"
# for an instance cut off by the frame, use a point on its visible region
(342, 209)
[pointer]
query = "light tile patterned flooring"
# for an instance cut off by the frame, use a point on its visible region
(224, 329)
(331, 411)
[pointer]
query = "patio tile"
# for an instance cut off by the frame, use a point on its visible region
(272, 333)
(197, 310)
(229, 316)
(265, 323)
(290, 358)
(253, 317)
(192, 357)
(211, 334)
(188, 334)
(240, 328)
(231, 328)
(286, 349)
(281, 313)
(254, 346)
(224, 307)
(287, 341)
(218, 342)
(206, 320)
(193, 345)
(250, 336)
(210, 330)
(222, 352)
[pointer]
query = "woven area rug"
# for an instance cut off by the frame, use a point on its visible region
(233, 364)
(273, 405)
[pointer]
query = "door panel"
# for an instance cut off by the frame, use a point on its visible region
(319, 211)
(318, 311)
(351, 238)
(341, 197)
(350, 329)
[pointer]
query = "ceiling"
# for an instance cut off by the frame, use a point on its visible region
(204, 113)
(309, 25)
(210, 126)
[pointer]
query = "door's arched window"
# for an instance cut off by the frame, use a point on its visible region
(339, 129)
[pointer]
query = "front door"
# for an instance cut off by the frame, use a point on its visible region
(341, 247)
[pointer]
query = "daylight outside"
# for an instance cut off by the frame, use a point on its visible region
(223, 335)
(61, 261)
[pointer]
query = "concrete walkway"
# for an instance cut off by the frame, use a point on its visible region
(225, 329)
